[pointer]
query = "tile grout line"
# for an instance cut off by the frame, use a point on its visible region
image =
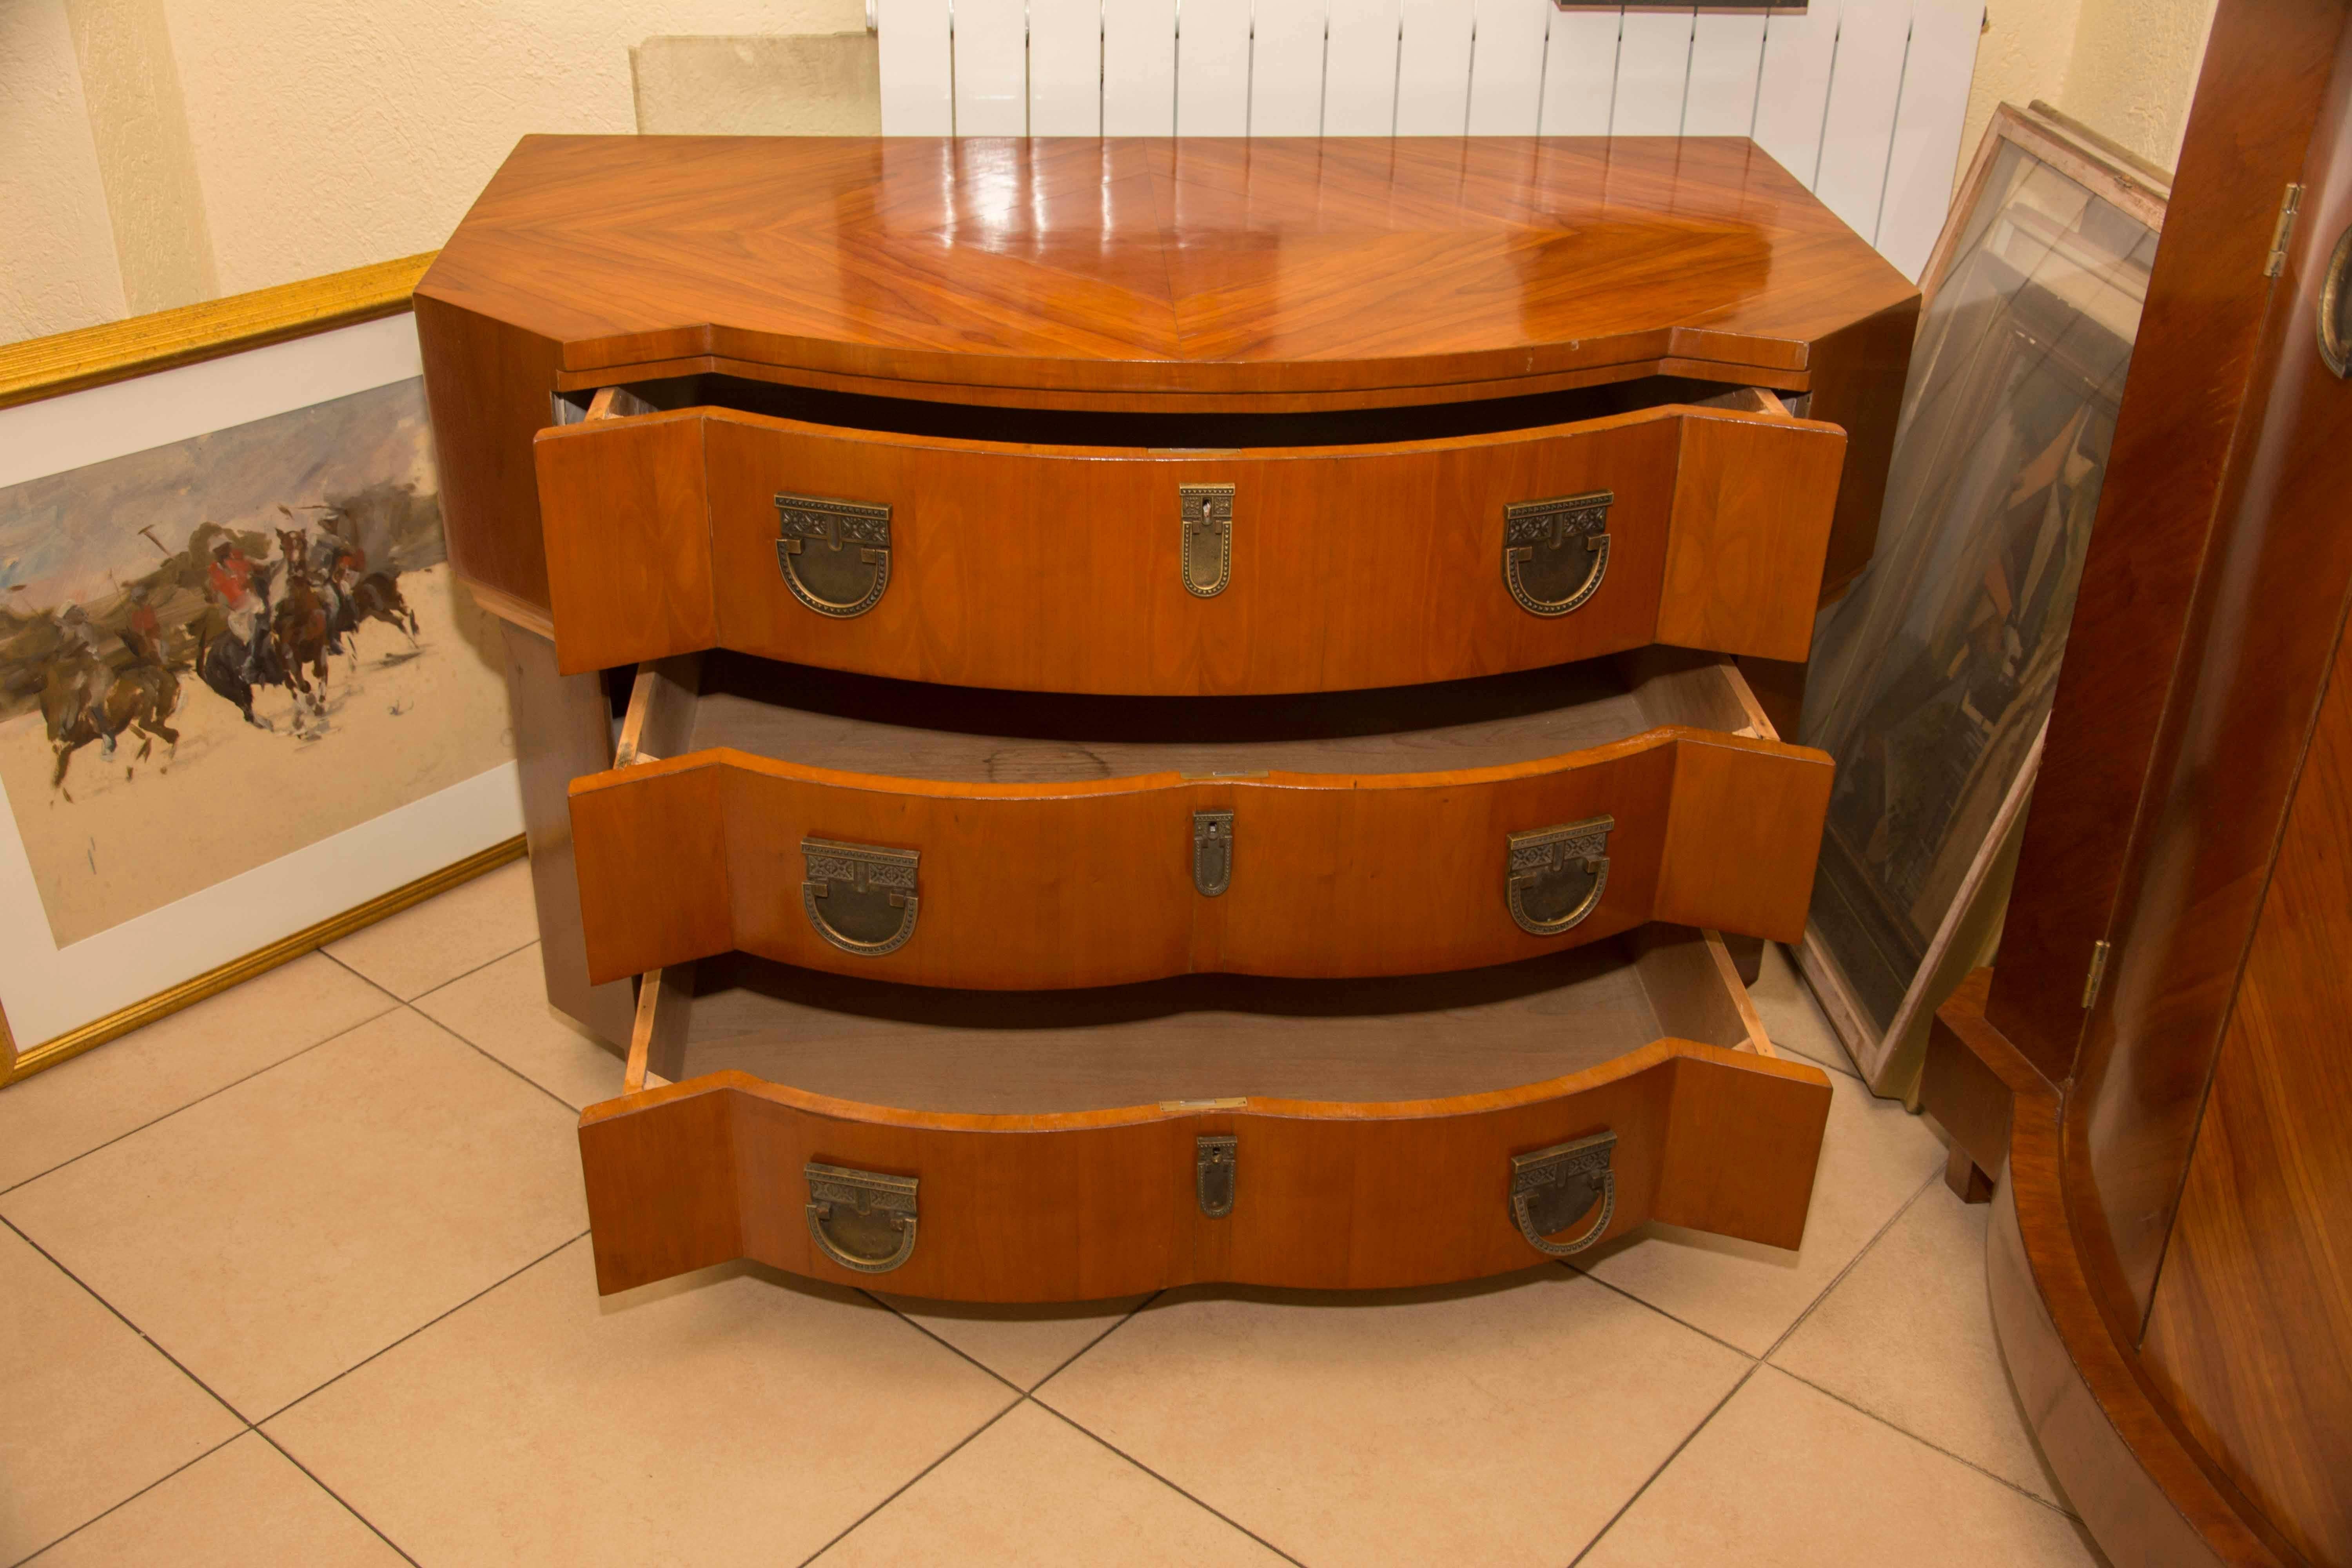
(925, 1329)
(145, 1338)
(1664, 1465)
(419, 1328)
(1860, 1252)
(1895, 1426)
(1204, 1507)
(573, 1111)
(134, 1497)
(951, 1348)
(1125, 1318)
(343, 1501)
(1765, 1360)
(208, 1094)
(901, 1490)
(1652, 1305)
(438, 985)
(409, 1004)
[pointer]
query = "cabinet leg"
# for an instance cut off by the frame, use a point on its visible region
(1969, 1184)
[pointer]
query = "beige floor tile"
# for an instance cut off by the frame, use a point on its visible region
(1033, 1489)
(1908, 1336)
(1497, 1424)
(729, 1416)
(278, 1232)
(1787, 1476)
(1791, 1017)
(502, 1007)
(1025, 1344)
(444, 937)
(243, 1506)
(1875, 1155)
(124, 1084)
(89, 1412)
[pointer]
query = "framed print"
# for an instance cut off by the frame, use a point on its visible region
(1933, 677)
(243, 709)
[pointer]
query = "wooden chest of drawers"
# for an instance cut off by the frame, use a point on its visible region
(1192, 712)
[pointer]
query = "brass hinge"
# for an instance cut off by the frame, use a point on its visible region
(2092, 981)
(2290, 205)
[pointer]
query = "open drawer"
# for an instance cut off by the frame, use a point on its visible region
(1065, 1146)
(1023, 565)
(1014, 841)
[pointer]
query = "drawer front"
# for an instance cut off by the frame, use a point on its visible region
(1011, 886)
(1134, 570)
(1112, 1202)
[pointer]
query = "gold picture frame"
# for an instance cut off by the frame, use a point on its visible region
(43, 368)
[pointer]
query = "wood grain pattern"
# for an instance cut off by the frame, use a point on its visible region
(2266, 75)
(1085, 1204)
(2248, 1330)
(2141, 1486)
(1355, 855)
(1058, 568)
(2255, 651)
(1235, 274)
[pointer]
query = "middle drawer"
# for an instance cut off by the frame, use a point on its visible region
(1001, 840)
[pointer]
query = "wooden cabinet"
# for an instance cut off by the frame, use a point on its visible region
(2158, 1058)
(1190, 709)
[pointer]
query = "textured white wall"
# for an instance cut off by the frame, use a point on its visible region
(2135, 69)
(56, 250)
(2023, 55)
(330, 135)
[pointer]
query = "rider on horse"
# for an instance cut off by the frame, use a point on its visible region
(230, 581)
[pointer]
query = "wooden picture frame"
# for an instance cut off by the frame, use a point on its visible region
(1970, 929)
(56, 385)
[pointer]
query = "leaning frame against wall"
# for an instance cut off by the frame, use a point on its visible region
(241, 711)
(1932, 678)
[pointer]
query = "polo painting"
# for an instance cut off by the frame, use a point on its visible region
(216, 652)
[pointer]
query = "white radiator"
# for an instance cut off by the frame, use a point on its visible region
(1860, 99)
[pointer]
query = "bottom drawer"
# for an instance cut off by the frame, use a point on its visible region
(1071, 1145)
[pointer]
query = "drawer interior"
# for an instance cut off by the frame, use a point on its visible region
(1202, 1038)
(909, 730)
(1098, 427)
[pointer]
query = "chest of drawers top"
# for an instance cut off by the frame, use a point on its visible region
(1268, 267)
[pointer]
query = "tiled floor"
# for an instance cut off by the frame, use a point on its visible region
(299, 1276)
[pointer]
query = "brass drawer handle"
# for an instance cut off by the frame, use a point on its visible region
(874, 1214)
(1207, 513)
(1213, 852)
(1543, 566)
(860, 896)
(1551, 1186)
(834, 554)
(1554, 875)
(1213, 1170)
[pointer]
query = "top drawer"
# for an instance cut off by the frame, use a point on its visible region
(1181, 571)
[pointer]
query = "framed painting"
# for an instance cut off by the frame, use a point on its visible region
(1932, 678)
(243, 711)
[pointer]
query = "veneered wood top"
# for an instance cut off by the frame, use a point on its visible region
(1151, 265)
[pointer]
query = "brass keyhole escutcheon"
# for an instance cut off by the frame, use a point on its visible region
(1206, 512)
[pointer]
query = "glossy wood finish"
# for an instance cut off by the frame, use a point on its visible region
(1060, 568)
(2255, 654)
(2249, 1331)
(2267, 70)
(2171, 1293)
(1086, 274)
(1712, 1133)
(1371, 841)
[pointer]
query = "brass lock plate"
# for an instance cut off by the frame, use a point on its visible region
(1214, 1166)
(1213, 852)
(1207, 515)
